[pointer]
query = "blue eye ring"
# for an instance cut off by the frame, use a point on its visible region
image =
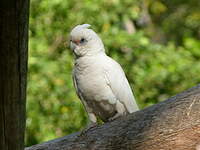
(82, 40)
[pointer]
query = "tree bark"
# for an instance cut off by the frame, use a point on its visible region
(13, 69)
(173, 124)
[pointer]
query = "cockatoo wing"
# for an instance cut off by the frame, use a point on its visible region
(78, 92)
(116, 79)
(89, 110)
(76, 87)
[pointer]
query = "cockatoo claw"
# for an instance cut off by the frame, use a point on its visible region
(89, 127)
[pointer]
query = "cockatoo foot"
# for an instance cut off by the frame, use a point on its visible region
(115, 117)
(89, 127)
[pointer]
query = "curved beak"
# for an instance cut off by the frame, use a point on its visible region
(72, 46)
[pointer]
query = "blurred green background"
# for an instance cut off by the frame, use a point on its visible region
(155, 41)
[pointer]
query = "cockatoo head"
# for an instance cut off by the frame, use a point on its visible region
(84, 41)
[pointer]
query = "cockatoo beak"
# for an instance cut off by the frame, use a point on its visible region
(72, 46)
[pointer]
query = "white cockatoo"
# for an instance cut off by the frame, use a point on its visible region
(99, 80)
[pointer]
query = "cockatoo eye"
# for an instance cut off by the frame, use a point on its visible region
(82, 40)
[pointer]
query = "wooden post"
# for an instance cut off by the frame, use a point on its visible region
(14, 16)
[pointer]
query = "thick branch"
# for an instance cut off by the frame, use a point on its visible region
(172, 124)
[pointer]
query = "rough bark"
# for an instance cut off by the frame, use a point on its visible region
(173, 124)
(13, 69)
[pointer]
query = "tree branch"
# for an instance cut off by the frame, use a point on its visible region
(171, 124)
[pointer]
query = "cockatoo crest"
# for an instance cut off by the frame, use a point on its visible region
(83, 26)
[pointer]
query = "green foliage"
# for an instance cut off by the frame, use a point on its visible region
(160, 58)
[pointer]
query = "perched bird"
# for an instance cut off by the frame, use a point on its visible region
(99, 80)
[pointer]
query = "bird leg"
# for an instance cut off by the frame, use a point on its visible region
(120, 111)
(89, 126)
(115, 116)
(92, 124)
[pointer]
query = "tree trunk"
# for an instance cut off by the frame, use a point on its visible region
(170, 125)
(13, 69)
